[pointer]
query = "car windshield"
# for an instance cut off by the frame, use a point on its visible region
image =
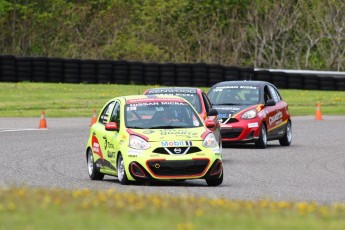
(161, 115)
(190, 95)
(234, 95)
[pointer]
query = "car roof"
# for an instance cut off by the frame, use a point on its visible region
(162, 90)
(241, 83)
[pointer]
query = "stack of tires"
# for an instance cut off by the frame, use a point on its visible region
(167, 74)
(215, 74)
(263, 75)
(295, 81)
(88, 71)
(279, 79)
(104, 71)
(120, 72)
(8, 68)
(327, 83)
(199, 75)
(39, 69)
(231, 73)
(183, 75)
(55, 69)
(311, 82)
(23, 69)
(71, 69)
(247, 74)
(151, 76)
(340, 82)
(136, 73)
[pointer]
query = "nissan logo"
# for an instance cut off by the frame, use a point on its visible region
(177, 150)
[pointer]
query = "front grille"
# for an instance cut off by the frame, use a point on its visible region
(178, 167)
(171, 150)
(231, 133)
(228, 120)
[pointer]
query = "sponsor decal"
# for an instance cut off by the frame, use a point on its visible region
(228, 108)
(253, 125)
(134, 152)
(276, 117)
(95, 147)
(216, 150)
(148, 101)
(175, 143)
(164, 91)
(262, 113)
(224, 115)
(176, 132)
(110, 154)
(148, 131)
(220, 88)
(132, 156)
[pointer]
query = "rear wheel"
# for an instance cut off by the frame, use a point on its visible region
(215, 182)
(262, 141)
(287, 138)
(93, 172)
(121, 172)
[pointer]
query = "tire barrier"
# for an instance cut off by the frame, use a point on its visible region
(43, 69)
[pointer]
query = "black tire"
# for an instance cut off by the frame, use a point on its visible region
(215, 182)
(287, 138)
(93, 172)
(261, 143)
(121, 172)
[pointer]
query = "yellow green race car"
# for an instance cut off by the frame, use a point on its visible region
(152, 137)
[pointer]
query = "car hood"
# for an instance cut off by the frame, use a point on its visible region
(192, 134)
(225, 111)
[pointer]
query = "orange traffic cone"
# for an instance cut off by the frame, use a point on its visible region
(318, 115)
(43, 122)
(94, 118)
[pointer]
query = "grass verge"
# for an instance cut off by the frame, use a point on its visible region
(27, 99)
(24, 208)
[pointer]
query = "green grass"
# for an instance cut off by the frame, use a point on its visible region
(79, 100)
(23, 208)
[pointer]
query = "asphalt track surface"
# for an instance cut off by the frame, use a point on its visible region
(311, 169)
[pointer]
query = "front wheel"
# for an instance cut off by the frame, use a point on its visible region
(215, 182)
(121, 172)
(262, 141)
(287, 138)
(93, 172)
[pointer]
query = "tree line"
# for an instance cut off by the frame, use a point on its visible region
(283, 34)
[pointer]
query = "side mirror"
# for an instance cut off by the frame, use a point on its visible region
(210, 124)
(212, 112)
(111, 126)
(270, 102)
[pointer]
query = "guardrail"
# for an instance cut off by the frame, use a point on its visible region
(43, 69)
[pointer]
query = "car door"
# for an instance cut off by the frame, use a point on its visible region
(275, 119)
(99, 140)
(112, 137)
(208, 105)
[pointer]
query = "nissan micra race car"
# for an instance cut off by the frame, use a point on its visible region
(144, 138)
(251, 111)
(198, 99)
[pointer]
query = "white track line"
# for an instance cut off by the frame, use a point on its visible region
(19, 130)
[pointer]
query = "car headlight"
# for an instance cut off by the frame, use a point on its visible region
(250, 114)
(136, 142)
(210, 141)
